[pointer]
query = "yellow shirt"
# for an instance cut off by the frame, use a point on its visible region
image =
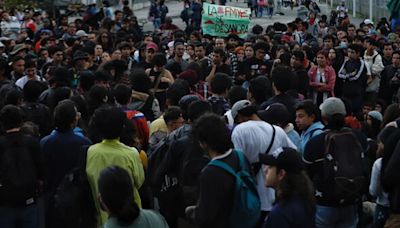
(158, 125)
(110, 153)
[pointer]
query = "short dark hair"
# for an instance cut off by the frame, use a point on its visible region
(309, 108)
(30, 64)
(220, 83)
(220, 52)
(261, 46)
(236, 93)
(64, 115)
(299, 55)
(177, 90)
(197, 109)
(159, 59)
(122, 94)
(396, 52)
(357, 48)
(172, 113)
(32, 90)
(260, 88)
(108, 121)
(211, 130)
(140, 81)
(11, 117)
(280, 77)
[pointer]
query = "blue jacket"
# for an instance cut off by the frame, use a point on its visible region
(315, 129)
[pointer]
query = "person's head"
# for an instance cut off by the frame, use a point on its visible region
(297, 60)
(200, 50)
(108, 121)
(388, 50)
(280, 78)
(18, 65)
(249, 51)
(66, 116)
(221, 84)
(333, 112)
(116, 195)
(371, 44)
(261, 48)
(322, 57)
(332, 54)
(351, 30)
(126, 49)
(373, 124)
(212, 133)
(116, 54)
(306, 114)
(276, 114)
(159, 60)
(140, 81)
(151, 49)
(32, 90)
(396, 59)
(220, 43)
(236, 93)
(285, 173)
(118, 15)
(243, 111)
(102, 78)
(30, 68)
(259, 89)
(173, 118)
(98, 50)
(218, 56)
(354, 51)
(11, 117)
(122, 94)
(56, 54)
(328, 41)
(179, 49)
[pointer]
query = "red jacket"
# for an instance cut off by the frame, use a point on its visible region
(330, 77)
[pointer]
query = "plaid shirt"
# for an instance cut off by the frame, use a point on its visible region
(233, 62)
(202, 89)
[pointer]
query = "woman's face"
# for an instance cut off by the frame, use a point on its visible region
(321, 60)
(332, 54)
(104, 38)
(98, 50)
(105, 57)
(249, 52)
(240, 55)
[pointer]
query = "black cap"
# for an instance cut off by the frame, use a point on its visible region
(284, 158)
(276, 113)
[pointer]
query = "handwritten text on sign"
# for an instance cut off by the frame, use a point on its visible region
(224, 20)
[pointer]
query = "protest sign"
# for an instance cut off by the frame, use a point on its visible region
(224, 20)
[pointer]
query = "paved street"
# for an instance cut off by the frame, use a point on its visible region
(175, 8)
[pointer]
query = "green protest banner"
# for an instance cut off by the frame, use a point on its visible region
(224, 20)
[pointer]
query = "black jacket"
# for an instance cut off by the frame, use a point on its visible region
(388, 87)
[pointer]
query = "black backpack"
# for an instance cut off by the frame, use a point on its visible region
(18, 177)
(343, 165)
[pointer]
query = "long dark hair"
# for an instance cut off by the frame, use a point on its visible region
(296, 185)
(116, 190)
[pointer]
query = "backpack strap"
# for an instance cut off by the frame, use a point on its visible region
(227, 167)
(313, 131)
(257, 165)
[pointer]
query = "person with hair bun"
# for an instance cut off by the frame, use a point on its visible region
(116, 198)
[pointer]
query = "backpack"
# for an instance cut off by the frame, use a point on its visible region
(256, 166)
(17, 171)
(246, 206)
(343, 165)
(73, 198)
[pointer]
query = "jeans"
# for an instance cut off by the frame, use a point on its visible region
(157, 23)
(260, 11)
(22, 217)
(336, 217)
(380, 215)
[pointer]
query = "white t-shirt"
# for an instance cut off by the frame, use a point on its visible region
(253, 138)
(22, 81)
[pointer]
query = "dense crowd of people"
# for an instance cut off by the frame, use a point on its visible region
(106, 125)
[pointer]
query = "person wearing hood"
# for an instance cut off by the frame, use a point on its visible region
(307, 122)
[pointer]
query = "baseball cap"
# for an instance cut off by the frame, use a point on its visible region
(368, 22)
(238, 106)
(152, 45)
(284, 158)
(276, 113)
(376, 115)
(80, 34)
(332, 106)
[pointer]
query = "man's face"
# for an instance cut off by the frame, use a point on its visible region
(72, 28)
(328, 43)
(220, 43)
(126, 52)
(341, 34)
(148, 39)
(200, 52)
(233, 42)
(353, 54)
(104, 84)
(30, 72)
(396, 60)
(149, 54)
(295, 62)
(58, 56)
(388, 51)
(175, 124)
(118, 16)
(303, 120)
(179, 50)
(370, 47)
(271, 177)
(351, 31)
(19, 66)
(260, 54)
(98, 50)
(216, 58)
